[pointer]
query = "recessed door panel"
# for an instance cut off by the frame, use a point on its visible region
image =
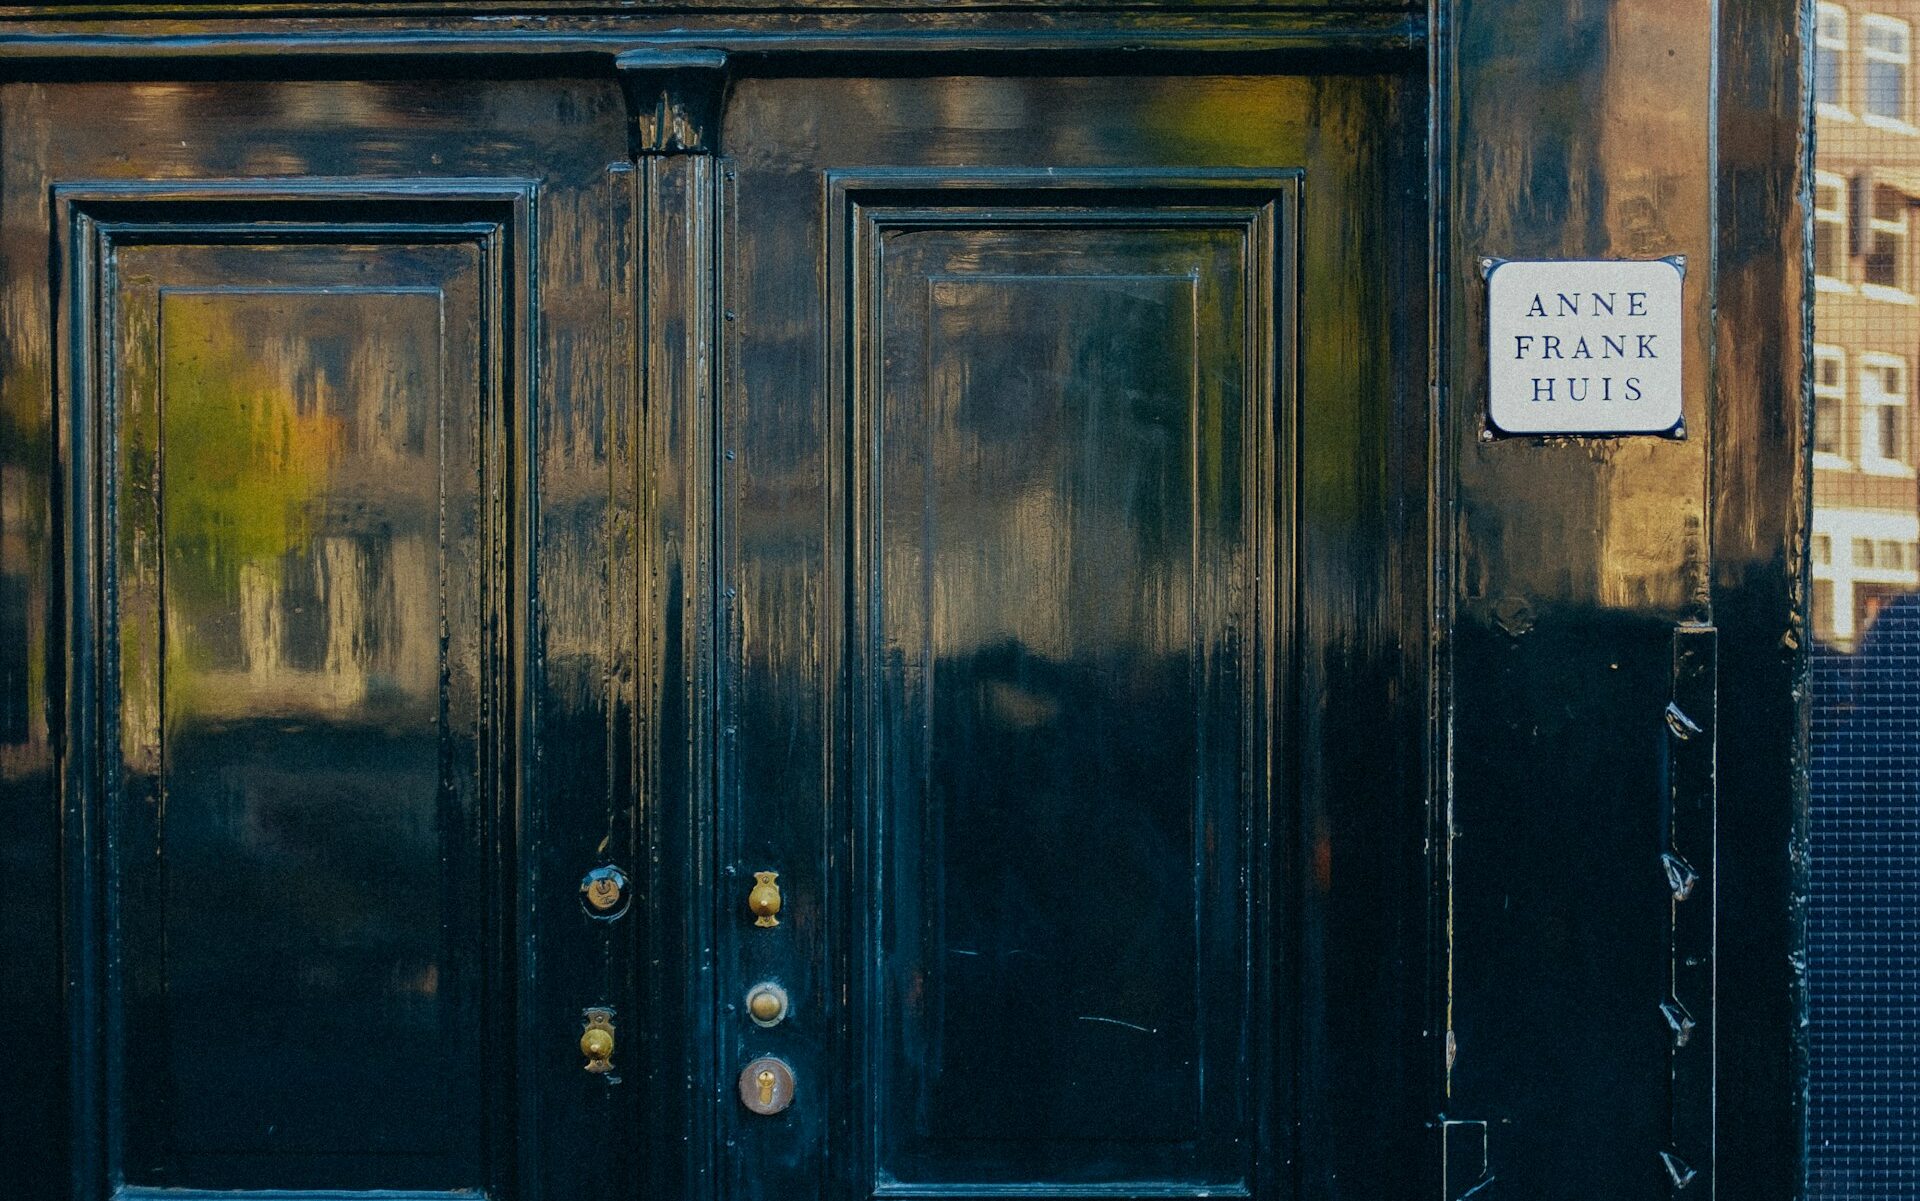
(1066, 416)
(321, 817)
(304, 589)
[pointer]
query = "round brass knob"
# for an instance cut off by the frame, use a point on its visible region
(597, 1044)
(767, 1004)
(596, 1041)
(764, 900)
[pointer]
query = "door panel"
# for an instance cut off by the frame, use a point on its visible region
(1062, 462)
(303, 570)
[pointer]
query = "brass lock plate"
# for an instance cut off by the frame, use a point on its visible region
(604, 893)
(766, 1085)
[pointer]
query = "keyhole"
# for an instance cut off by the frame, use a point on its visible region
(766, 1087)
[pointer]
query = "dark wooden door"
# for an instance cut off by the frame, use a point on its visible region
(331, 488)
(1070, 528)
(984, 494)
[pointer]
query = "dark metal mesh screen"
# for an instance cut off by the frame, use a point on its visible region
(1864, 962)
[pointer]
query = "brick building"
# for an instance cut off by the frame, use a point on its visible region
(1866, 315)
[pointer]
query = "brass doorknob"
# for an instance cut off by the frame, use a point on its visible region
(767, 1004)
(596, 1041)
(764, 900)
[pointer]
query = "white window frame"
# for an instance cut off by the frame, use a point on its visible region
(1902, 293)
(1837, 216)
(1831, 399)
(1835, 40)
(1873, 398)
(1904, 58)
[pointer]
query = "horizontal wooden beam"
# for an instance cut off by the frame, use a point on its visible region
(1105, 49)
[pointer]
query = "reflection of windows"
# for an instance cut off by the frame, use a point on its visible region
(1830, 57)
(1884, 554)
(1855, 552)
(1829, 399)
(1886, 264)
(1829, 225)
(1883, 412)
(1887, 55)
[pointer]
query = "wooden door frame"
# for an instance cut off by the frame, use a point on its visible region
(1732, 88)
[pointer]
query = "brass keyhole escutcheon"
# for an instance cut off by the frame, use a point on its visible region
(766, 1085)
(596, 1041)
(764, 900)
(603, 892)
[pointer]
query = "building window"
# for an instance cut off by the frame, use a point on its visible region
(1830, 57)
(1830, 226)
(1888, 54)
(1886, 261)
(1829, 400)
(1883, 412)
(1823, 550)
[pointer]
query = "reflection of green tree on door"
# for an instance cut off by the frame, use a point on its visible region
(299, 502)
(245, 455)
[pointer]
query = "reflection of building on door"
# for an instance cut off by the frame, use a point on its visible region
(1861, 559)
(340, 620)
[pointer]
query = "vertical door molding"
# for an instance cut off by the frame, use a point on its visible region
(1689, 862)
(674, 103)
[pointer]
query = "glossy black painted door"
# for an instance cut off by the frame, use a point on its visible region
(323, 515)
(1070, 451)
(993, 501)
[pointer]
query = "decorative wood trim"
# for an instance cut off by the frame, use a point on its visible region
(1689, 862)
(962, 47)
(675, 104)
(675, 99)
(677, 11)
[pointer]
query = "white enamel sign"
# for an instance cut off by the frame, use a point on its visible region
(1584, 347)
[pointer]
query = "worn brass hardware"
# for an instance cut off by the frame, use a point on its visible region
(603, 892)
(767, 1004)
(596, 1041)
(764, 900)
(766, 1085)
